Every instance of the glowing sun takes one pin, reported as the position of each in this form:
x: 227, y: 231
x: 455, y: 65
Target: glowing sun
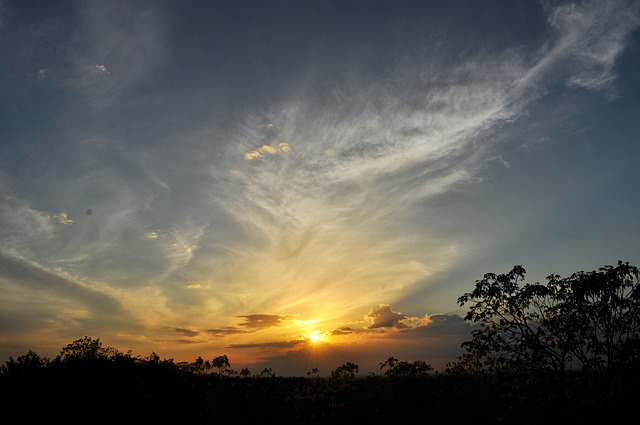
x: 316, y: 336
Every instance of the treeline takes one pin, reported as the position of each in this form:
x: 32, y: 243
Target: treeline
x: 88, y: 382
x: 567, y: 350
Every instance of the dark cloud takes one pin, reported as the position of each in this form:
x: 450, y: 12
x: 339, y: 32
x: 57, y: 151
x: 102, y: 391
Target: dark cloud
x: 263, y: 320
x: 229, y: 330
x: 187, y: 332
x: 341, y: 331
x: 188, y: 341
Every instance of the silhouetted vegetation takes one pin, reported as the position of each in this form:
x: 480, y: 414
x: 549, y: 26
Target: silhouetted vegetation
x: 565, y: 351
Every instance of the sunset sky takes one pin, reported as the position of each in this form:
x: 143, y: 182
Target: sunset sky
x: 300, y: 184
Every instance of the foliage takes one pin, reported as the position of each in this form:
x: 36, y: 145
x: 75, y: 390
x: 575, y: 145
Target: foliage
x: 87, y: 349
x: 155, y: 390
x: 346, y: 372
x: 590, y: 318
x: 223, y: 365
x: 29, y: 363
x: 404, y: 369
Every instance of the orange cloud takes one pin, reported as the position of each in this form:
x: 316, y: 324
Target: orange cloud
x: 267, y: 149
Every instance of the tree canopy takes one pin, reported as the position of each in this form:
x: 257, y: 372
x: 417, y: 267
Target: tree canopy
x: 588, y: 321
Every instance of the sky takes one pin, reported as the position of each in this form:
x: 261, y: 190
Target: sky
x: 301, y: 184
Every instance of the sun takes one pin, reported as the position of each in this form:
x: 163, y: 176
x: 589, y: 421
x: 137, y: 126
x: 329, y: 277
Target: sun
x: 316, y: 336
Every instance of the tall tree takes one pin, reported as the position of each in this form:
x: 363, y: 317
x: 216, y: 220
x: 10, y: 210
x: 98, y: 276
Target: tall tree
x: 589, y: 320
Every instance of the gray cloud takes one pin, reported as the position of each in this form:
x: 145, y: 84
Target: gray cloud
x: 228, y: 330
x: 187, y: 332
x: 342, y: 331
x: 594, y: 33
x: 383, y: 317
x: 65, y: 304
x: 263, y: 320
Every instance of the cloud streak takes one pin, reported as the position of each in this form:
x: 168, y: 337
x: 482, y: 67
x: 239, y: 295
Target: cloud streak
x: 364, y: 157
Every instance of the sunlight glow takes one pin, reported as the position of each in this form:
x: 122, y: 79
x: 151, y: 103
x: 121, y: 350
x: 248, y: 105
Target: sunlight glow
x: 316, y: 336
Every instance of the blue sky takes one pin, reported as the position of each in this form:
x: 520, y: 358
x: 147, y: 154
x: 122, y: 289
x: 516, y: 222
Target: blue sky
x: 207, y: 178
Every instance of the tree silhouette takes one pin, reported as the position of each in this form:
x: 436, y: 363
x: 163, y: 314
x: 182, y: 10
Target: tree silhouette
x: 396, y: 368
x: 346, y: 371
x: 267, y: 372
x: 85, y: 349
x: 26, y: 364
x: 222, y: 364
x: 592, y: 318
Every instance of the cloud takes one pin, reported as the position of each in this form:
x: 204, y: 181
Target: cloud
x: 152, y: 235
x: 187, y: 332
x: 592, y: 36
x: 178, y: 245
x: 62, y: 218
x: 229, y: 330
x: 252, y: 323
x: 21, y: 225
x: 588, y: 38
x: 342, y: 331
x: 259, y: 321
x: 112, y: 50
x: 383, y: 317
x: 282, y: 147
x: 435, y: 339
x: 100, y: 69
x: 339, y: 213
x: 68, y: 304
x: 44, y: 73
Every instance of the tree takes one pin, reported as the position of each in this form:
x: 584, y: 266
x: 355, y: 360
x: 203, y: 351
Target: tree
x: 592, y: 318
x: 23, y: 365
x: 267, y: 372
x: 222, y: 363
x: 397, y: 369
x: 199, y: 365
x: 602, y: 308
x: 346, y: 372
x: 88, y: 349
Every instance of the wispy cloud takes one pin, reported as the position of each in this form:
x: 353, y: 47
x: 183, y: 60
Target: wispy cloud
x: 593, y: 35
x: 334, y: 213
x: 228, y: 330
x: 589, y: 36
x: 114, y: 49
x: 67, y: 304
